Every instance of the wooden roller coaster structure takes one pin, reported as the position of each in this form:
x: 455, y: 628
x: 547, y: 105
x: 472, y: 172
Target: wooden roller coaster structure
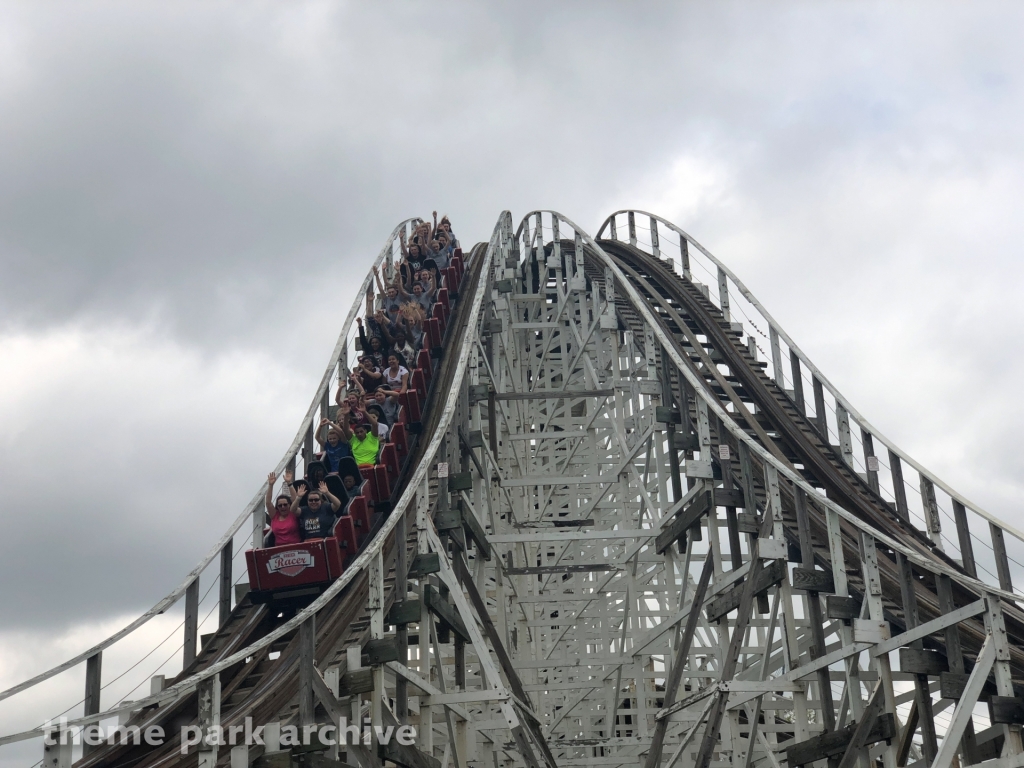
x: 638, y: 527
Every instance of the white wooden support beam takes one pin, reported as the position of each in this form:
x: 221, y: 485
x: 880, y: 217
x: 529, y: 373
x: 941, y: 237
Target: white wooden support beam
x: 931, y: 512
x: 845, y: 438
x: 996, y: 627
x: 773, y: 337
x: 965, y: 706
x: 208, y: 693
x: 631, y: 219
x: 655, y: 244
x: 307, y: 651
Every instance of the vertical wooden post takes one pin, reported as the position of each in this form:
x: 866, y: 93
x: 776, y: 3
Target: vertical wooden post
x: 208, y: 693
x: 93, y: 686
x: 307, y: 652
x: 684, y: 256
x: 870, y: 460
x: 798, y: 383
x: 614, y: 229
x: 259, y: 522
x: 803, y: 523
x: 225, y: 581
x: 723, y: 294
x: 954, y: 651
x: 931, y: 512
x: 1002, y: 562
x: 402, y: 632
x: 670, y: 429
x: 191, y: 623
x: 845, y: 438
x: 631, y: 219
x: 996, y: 626
x: 876, y: 612
x: 376, y: 607
x: 58, y: 754
x: 923, y: 695
x: 773, y: 337
x: 820, y: 418
x: 963, y: 532
x: 655, y: 245
x: 899, y: 488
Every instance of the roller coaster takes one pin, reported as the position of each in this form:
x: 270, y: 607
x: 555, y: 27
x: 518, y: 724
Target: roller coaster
x: 635, y: 526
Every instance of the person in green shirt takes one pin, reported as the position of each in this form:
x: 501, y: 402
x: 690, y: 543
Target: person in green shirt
x: 362, y: 438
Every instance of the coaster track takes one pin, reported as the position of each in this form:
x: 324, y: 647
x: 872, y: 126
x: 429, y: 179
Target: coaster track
x: 643, y: 548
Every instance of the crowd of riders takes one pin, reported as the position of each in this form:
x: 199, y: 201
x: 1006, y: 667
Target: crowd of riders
x: 368, y: 400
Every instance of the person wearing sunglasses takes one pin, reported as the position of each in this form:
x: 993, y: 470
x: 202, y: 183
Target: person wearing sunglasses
x: 284, y: 523
x: 317, y: 518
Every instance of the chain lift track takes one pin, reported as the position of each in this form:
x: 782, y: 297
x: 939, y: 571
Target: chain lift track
x: 627, y: 536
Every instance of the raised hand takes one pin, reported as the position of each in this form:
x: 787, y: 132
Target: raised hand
x: 271, y: 479
x: 323, y: 487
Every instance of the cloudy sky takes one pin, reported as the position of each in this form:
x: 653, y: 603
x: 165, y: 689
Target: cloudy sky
x: 189, y: 193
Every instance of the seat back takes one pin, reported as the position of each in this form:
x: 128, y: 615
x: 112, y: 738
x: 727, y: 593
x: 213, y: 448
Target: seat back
x: 400, y: 441
x: 359, y: 513
x: 423, y: 363
x: 345, y: 533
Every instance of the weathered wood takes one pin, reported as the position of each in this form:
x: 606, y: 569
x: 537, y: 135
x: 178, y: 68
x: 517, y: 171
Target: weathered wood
x: 380, y: 651
x: 835, y: 743
x: 859, y: 737
x: 812, y: 580
x: 798, y: 383
x: 675, y: 674
x: 191, y: 623
x: 307, y: 650
x: 820, y: 418
x: 93, y: 688
x: 447, y: 520
x: 461, y: 481
x: 952, y: 685
x: 225, y: 582
x: 476, y: 532
x: 963, y: 533
x: 1002, y: 562
x: 899, y: 488
x: 405, y: 612
x: 766, y: 577
x: 921, y: 662
x: 424, y: 564
x: 1006, y: 710
x: 444, y: 612
x: 567, y: 568
x: 683, y: 521
x: 748, y: 523
x: 731, y: 497
x: 839, y: 607
x: 355, y: 682
x: 922, y: 693
x: 867, y: 441
x: 406, y: 756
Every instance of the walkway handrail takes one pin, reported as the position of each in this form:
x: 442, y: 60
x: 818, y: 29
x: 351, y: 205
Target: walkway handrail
x: 499, y: 241
x: 175, y: 594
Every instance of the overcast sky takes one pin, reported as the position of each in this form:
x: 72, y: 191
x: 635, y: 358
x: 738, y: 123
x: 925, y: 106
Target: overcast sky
x: 188, y: 195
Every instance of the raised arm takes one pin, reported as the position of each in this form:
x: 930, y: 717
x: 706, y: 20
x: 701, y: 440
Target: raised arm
x: 378, y: 281
x: 271, y: 479
x: 346, y: 431
x: 324, y: 422
x: 335, y: 501
x: 363, y: 341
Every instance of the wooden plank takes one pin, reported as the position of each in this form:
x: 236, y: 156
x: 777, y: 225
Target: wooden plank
x: 952, y: 685
x: 1002, y: 563
x: 307, y: 648
x: 406, y: 756
x: 404, y: 612
x: 568, y: 568
x: 1006, y: 710
x: 424, y: 564
x: 899, y: 488
x: 476, y: 532
x: 225, y: 582
x: 444, y: 611
x: 922, y: 662
x: 733, y: 497
x: 820, y: 419
x: 833, y: 744
x: 859, y: 737
x: 355, y: 682
x: 767, y: 577
x: 93, y: 688
x: 798, y: 382
x: 748, y: 523
x: 963, y: 533
x: 191, y: 623
x: 839, y: 607
x: 812, y: 580
x: 381, y: 651
x: 683, y: 521
x: 867, y: 441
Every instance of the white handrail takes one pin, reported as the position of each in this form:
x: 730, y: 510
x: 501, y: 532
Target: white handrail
x: 499, y: 239
x: 815, y: 371
x: 175, y: 594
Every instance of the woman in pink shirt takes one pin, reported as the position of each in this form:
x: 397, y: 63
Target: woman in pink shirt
x: 284, y: 523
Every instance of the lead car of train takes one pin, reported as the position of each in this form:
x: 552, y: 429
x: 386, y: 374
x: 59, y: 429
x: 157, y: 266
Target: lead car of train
x: 296, y: 574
